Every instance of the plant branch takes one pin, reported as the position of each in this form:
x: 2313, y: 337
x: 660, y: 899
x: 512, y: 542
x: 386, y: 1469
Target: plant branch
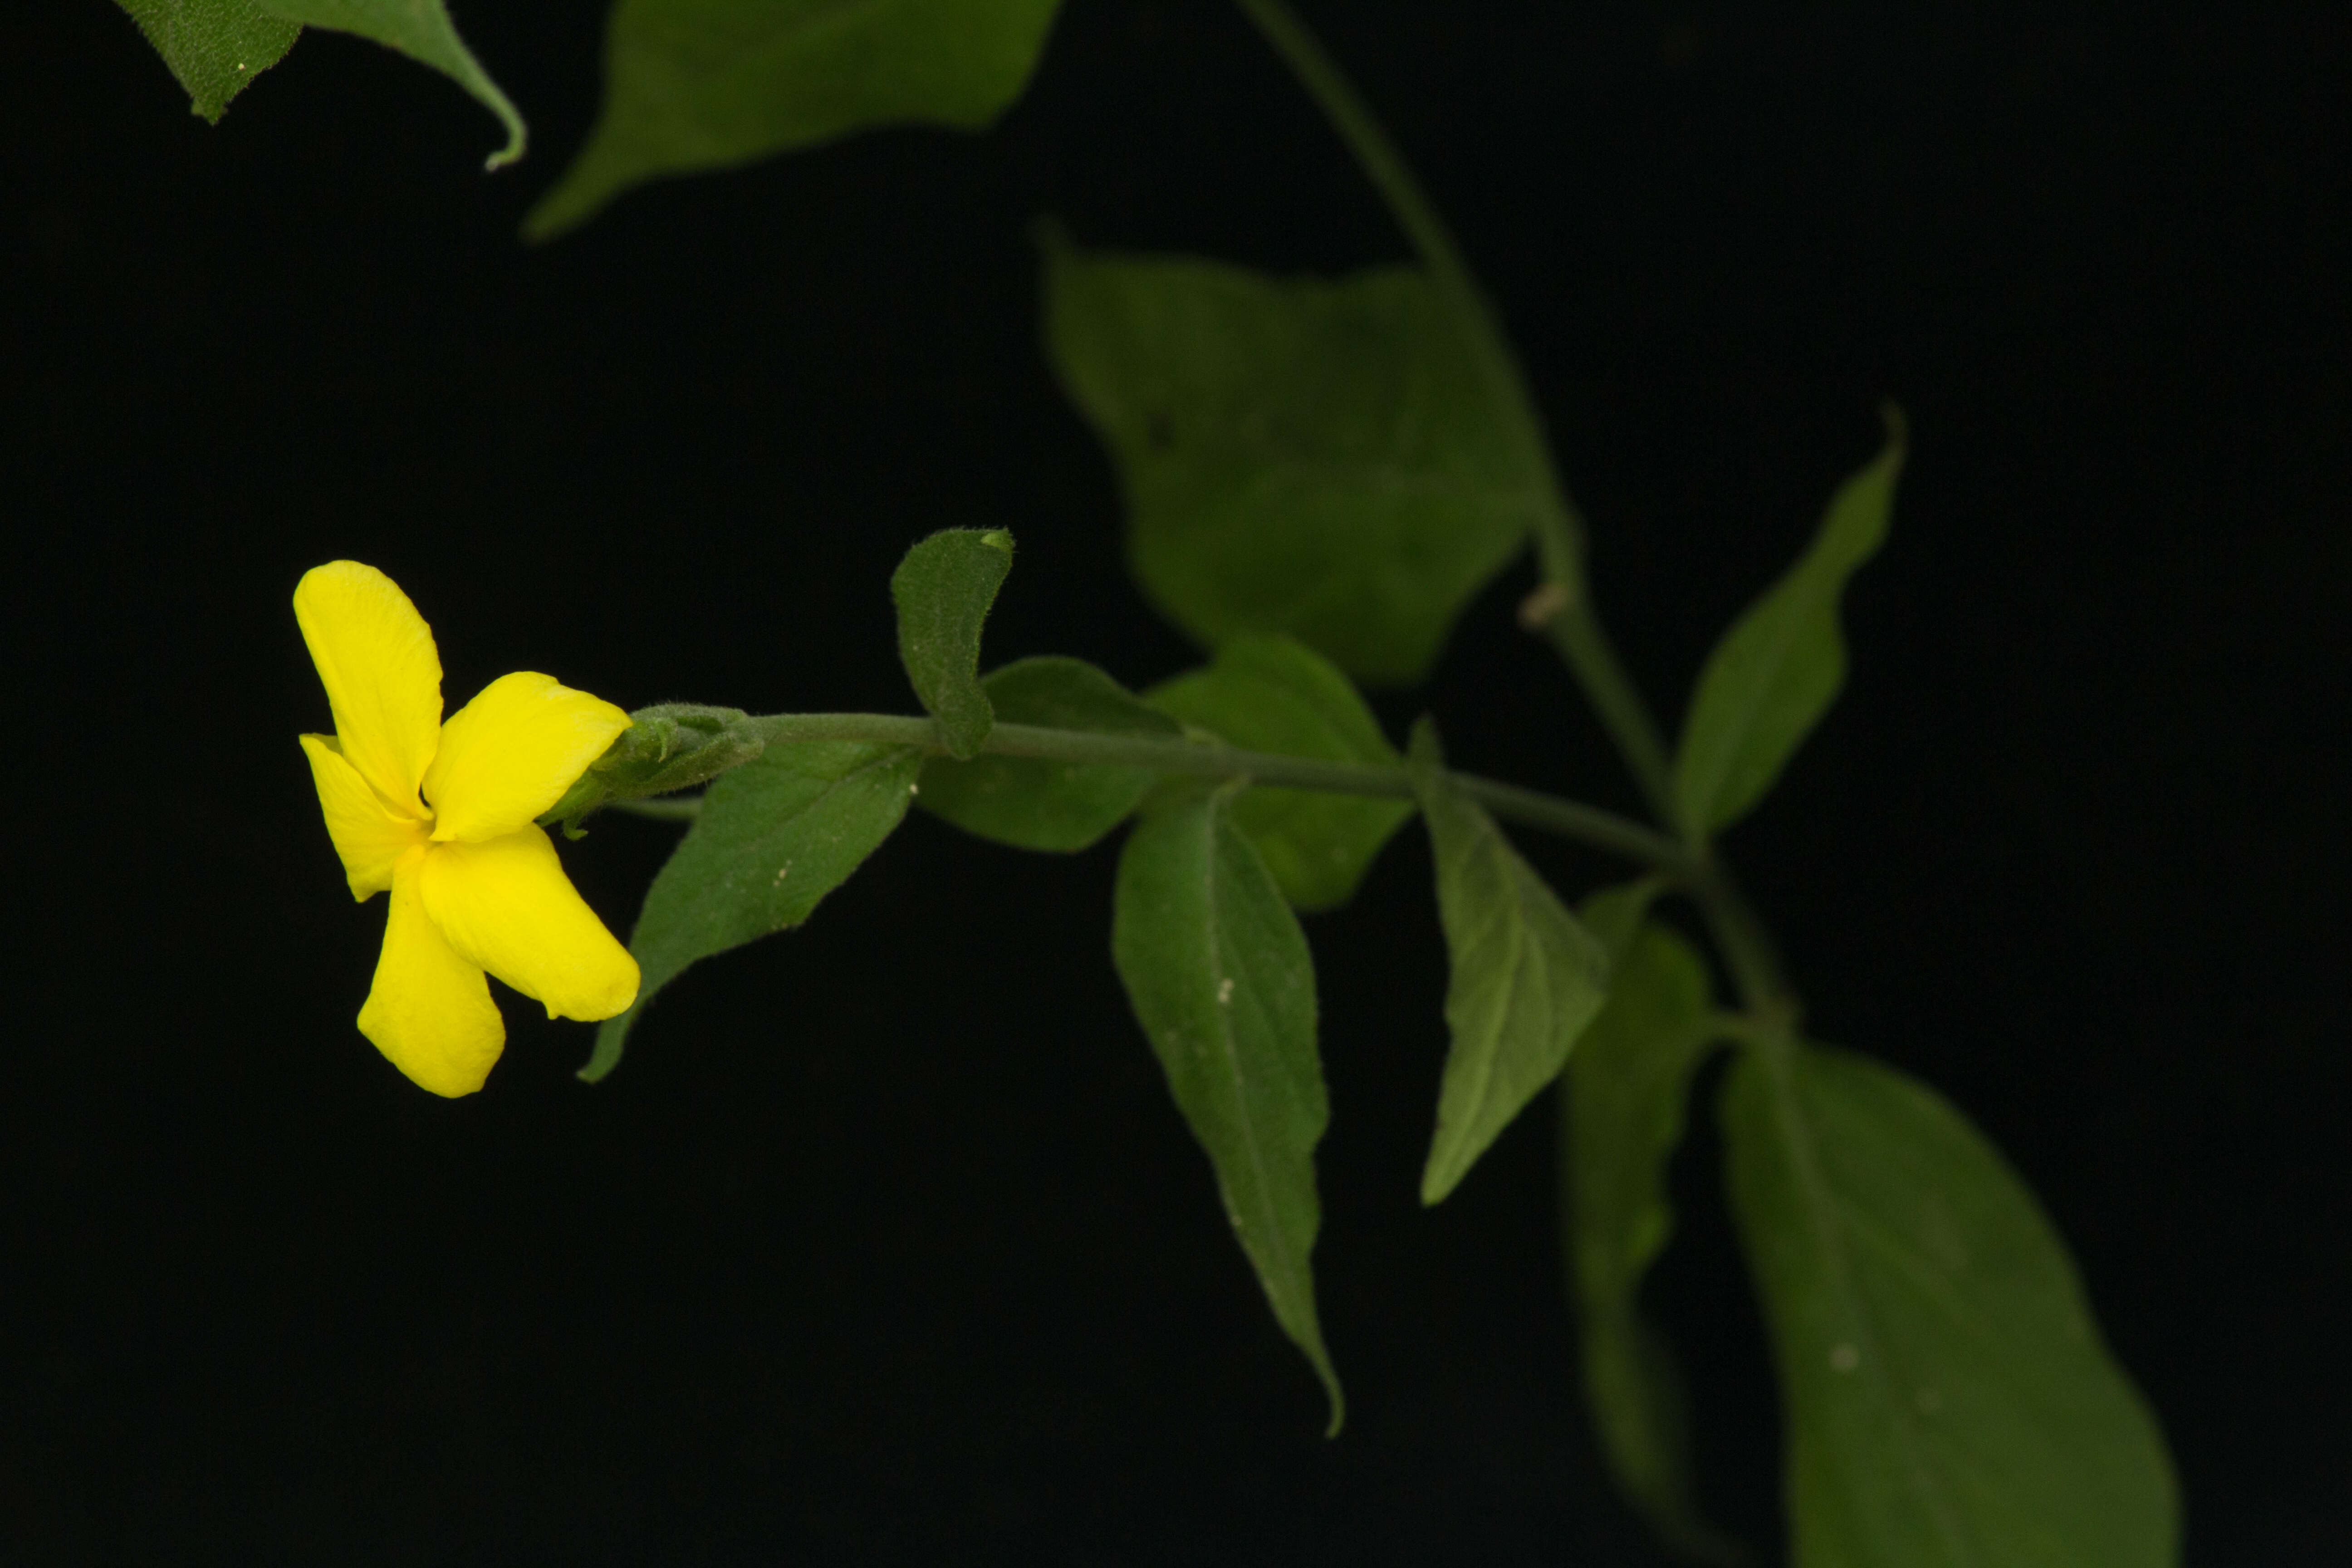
x: 1747, y: 944
x: 1549, y: 812
x: 1554, y: 525
x: 1563, y: 609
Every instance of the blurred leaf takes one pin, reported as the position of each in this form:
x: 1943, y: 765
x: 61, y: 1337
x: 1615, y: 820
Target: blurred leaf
x: 1031, y: 802
x: 692, y: 85
x: 944, y: 590
x: 1318, y: 458
x: 1219, y: 975
x: 1615, y: 916
x: 1623, y: 1119
x: 214, y: 47
x: 1526, y: 977
x: 420, y: 29
x: 775, y: 836
x: 1949, y: 1402
x: 1778, y: 668
x: 1273, y: 694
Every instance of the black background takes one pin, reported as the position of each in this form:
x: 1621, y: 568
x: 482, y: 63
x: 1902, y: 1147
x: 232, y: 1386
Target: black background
x: 884, y: 1239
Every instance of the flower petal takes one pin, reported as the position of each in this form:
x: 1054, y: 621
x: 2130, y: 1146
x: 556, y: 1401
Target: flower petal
x: 382, y: 672
x: 512, y: 751
x: 430, y: 1012
x: 369, y: 835
x: 507, y: 905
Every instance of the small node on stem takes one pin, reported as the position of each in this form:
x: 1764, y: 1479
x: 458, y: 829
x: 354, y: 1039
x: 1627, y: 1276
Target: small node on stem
x: 1543, y: 607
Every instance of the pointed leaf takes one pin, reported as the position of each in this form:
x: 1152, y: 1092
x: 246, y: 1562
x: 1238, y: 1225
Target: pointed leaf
x: 1316, y: 459
x: 1949, y: 1402
x: 1526, y: 976
x: 1033, y: 803
x: 422, y: 30
x: 944, y: 590
x: 1624, y: 1091
x: 1219, y: 975
x: 1276, y: 694
x: 1778, y: 668
x: 774, y: 837
x: 711, y: 84
x: 214, y: 47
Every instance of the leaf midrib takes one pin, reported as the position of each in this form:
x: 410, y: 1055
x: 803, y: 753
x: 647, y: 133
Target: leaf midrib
x: 1826, y: 1213
x: 710, y: 891
x: 1229, y: 1049
x: 1512, y: 913
x: 1801, y: 597
x: 759, y: 63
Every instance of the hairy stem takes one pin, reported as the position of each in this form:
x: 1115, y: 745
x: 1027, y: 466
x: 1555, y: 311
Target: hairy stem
x: 1564, y: 611
x: 1554, y: 525
x: 1549, y: 812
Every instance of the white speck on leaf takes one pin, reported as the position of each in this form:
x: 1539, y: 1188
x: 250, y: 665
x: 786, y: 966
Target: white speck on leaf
x: 1225, y: 991
x: 1845, y: 1358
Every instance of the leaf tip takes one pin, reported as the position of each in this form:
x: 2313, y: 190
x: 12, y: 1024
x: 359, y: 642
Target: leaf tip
x: 584, y: 189
x: 554, y: 214
x: 511, y: 152
x: 612, y: 1036
x: 1436, y: 1188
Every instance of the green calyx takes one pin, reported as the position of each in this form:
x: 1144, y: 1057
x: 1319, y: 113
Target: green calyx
x: 669, y: 746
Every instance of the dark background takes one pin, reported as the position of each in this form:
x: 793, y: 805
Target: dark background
x: 884, y: 1240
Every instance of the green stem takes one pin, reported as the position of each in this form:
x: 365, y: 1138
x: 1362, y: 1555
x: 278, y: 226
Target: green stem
x: 1549, y: 812
x: 1745, y: 942
x: 1563, y: 610
x: 1557, y: 529
x: 1560, y: 532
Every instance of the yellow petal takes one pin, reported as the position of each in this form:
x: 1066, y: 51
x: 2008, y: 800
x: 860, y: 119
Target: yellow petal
x: 382, y: 675
x: 430, y: 1012
x: 512, y: 751
x: 506, y: 904
x: 369, y: 835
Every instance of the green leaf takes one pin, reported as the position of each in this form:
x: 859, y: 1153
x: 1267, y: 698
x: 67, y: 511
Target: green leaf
x: 1949, y: 1402
x: 1778, y: 668
x: 1526, y: 976
x: 420, y: 29
x: 1219, y: 975
x: 1033, y: 803
x: 1318, y: 459
x: 711, y: 84
x: 1623, y: 1119
x: 944, y: 590
x: 214, y: 47
x: 1615, y: 916
x: 1275, y: 694
x: 775, y: 836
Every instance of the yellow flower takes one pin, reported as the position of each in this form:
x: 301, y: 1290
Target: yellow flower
x: 441, y: 816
